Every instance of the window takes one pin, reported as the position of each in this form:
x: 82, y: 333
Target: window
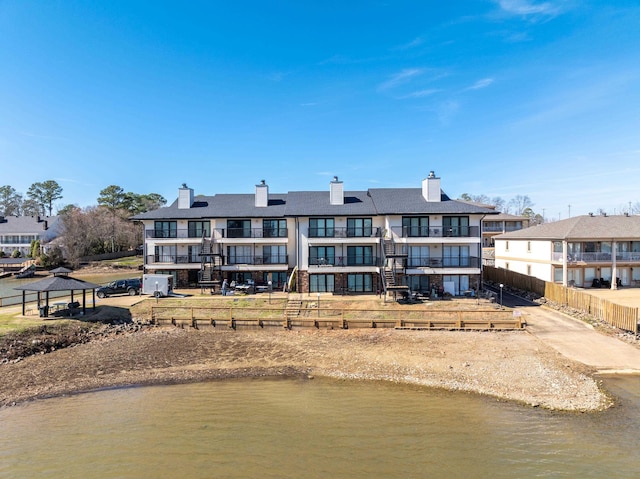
x: 506, y: 246
x: 321, y: 283
x: 239, y: 255
x: 360, y: 255
x: 322, y: 255
x: 359, y: 227
x: 274, y: 254
x: 239, y: 228
x: 360, y: 283
x: 165, y: 253
x: 165, y: 229
x: 198, y: 229
x: 274, y: 228
x: 419, y: 256
x: 528, y: 246
x: 321, y: 227
x: 557, y: 275
x: 455, y: 226
x: 456, y: 256
x: 418, y: 283
x: 194, y: 253
x: 460, y: 283
x: 278, y: 279
x: 528, y: 270
x: 415, y: 226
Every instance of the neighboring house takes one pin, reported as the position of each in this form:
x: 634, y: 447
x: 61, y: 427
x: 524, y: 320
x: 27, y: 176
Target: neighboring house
x: 17, y: 232
x: 328, y: 241
x: 575, y: 251
x: 500, y: 224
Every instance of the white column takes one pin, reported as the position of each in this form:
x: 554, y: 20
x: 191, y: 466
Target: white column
x: 614, y: 268
x: 565, y: 257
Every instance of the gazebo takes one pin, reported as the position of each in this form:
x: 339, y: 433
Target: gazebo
x: 60, y: 281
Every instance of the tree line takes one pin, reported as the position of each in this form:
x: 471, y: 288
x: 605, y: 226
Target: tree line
x: 101, y: 228
x: 519, y: 205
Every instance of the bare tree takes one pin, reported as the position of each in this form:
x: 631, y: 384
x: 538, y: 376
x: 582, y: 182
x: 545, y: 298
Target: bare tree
x: 519, y: 204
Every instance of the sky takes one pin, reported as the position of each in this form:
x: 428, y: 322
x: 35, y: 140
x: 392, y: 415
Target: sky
x: 498, y: 97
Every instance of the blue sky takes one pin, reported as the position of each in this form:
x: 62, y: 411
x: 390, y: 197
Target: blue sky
x: 502, y: 98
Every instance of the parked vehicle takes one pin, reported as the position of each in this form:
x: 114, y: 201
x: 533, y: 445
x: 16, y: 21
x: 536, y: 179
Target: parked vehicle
x: 158, y: 285
x: 120, y: 286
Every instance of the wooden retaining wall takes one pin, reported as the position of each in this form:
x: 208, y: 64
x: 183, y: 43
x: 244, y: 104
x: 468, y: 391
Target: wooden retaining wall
x: 225, y: 318
x: 617, y: 315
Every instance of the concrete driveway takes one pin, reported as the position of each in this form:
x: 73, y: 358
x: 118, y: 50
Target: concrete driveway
x: 577, y: 340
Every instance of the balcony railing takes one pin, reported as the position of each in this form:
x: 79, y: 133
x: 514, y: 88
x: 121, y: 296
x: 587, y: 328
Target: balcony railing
x: 436, y: 232
x: 229, y: 260
x: 443, y: 262
x: 175, y: 233
x: 598, y: 257
x: 357, y: 260
x: 492, y: 228
x: 251, y: 233
x: 250, y: 259
x: 342, y: 232
x: 173, y: 259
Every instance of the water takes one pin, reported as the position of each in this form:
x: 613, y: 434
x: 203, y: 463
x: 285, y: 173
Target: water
x: 313, y: 429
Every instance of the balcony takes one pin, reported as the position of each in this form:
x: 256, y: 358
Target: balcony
x: 443, y: 262
x: 492, y: 228
x: 436, y: 232
x: 357, y: 260
x: 344, y: 232
x: 172, y: 259
x: 250, y: 233
x: 257, y: 260
x: 599, y: 257
x: 175, y: 233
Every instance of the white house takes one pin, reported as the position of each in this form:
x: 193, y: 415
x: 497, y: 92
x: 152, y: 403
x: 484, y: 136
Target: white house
x: 589, y: 250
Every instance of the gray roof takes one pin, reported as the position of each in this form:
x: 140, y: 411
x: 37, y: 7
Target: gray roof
x: 26, y: 225
x: 410, y: 201
x: 316, y: 203
x: 581, y: 228
x: 200, y: 209
x: 377, y: 201
x: 58, y: 283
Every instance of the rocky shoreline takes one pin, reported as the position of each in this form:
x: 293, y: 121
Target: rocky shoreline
x: 512, y: 366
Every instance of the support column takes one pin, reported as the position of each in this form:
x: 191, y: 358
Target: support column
x: 565, y: 269
x: 614, y: 268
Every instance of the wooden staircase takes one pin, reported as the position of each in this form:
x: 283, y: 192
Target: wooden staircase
x: 292, y: 309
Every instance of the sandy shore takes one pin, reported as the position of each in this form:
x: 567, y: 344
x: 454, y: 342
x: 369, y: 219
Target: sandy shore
x: 511, y: 366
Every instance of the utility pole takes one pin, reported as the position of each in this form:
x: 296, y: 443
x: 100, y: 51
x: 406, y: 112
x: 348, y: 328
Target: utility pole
x: 569, y: 211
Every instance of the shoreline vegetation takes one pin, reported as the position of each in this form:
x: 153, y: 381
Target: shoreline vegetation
x: 117, y: 347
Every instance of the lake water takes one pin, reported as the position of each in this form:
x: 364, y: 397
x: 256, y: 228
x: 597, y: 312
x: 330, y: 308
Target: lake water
x: 314, y: 429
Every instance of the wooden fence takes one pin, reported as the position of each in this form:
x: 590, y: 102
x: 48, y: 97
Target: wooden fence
x: 622, y: 317
x: 229, y: 317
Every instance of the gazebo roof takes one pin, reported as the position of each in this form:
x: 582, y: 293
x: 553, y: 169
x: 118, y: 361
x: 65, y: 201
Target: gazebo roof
x: 58, y: 283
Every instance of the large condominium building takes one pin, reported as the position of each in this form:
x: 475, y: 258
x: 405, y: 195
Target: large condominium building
x: 337, y: 240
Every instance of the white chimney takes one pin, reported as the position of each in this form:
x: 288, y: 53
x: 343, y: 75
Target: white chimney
x: 336, y: 192
x: 431, y: 188
x: 185, y: 197
x: 262, y: 195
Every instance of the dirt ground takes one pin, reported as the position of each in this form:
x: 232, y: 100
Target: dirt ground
x: 507, y: 365
x: 514, y: 366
